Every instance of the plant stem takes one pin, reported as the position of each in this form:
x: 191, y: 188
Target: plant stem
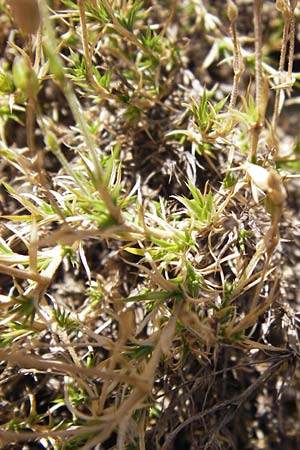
x: 292, y: 43
x: 258, y: 53
x: 238, y: 65
x: 287, y: 11
x: 259, y: 80
x: 285, y: 37
x: 58, y: 72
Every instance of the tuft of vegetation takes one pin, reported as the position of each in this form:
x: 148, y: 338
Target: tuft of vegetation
x: 149, y: 248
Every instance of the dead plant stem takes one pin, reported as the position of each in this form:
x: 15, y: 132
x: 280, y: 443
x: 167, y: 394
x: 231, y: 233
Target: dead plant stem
x: 291, y: 45
x: 238, y: 65
x: 259, y: 80
x: 285, y: 37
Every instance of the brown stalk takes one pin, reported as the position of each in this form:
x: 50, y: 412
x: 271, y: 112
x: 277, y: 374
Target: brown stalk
x: 258, y: 53
x: 260, y: 98
x: 23, y: 274
x: 287, y: 9
x: 238, y: 65
x: 282, y: 7
x: 23, y: 359
x: 293, y: 4
x: 141, y: 391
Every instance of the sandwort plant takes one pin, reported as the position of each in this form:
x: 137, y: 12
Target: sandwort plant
x: 144, y: 219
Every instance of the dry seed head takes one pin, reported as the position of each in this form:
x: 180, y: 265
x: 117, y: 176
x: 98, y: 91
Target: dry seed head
x: 26, y: 15
x: 259, y: 175
x: 232, y: 11
x: 268, y: 181
x: 276, y: 192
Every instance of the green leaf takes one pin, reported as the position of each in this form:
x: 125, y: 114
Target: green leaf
x: 154, y: 296
x: 194, y: 281
x: 7, y: 85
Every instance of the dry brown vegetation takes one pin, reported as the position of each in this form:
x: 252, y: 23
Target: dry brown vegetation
x: 149, y: 249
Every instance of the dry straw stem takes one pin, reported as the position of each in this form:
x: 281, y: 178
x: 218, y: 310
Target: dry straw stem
x: 293, y: 4
x: 24, y: 274
x: 142, y: 384
x: 125, y: 326
x: 23, y: 359
x: 261, y: 82
x: 287, y: 9
x: 238, y: 64
x: 139, y: 393
x: 255, y: 310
